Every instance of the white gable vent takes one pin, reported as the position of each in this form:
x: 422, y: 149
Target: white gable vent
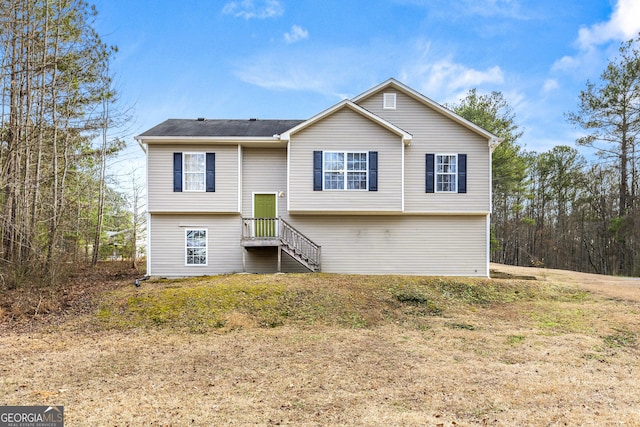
x: 389, y: 101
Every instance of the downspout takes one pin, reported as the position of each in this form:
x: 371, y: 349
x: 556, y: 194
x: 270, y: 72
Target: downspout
x: 146, y: 161
x: 141, y: 145
x: 404, y: 147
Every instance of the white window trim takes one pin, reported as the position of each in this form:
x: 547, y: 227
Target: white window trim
x: 345, y: 171
x: 436, y: 173
x: 389, y: 101
x: 206, y: 247
x: 184, y: 171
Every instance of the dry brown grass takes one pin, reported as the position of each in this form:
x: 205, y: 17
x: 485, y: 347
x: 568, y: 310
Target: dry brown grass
x: 532, y: 362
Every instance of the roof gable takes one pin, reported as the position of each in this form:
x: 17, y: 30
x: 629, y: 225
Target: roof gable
x: 493, y: 140
x: 406, y: 136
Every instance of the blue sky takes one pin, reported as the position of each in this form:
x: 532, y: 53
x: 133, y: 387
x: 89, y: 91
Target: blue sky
x: 292, y: 59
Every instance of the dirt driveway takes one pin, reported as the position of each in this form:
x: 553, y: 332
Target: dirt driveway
x: 624, y: 288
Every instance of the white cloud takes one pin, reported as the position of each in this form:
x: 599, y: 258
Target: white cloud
x: 550, y: 85
x: 594, y: 43
x: 299, y: 73
x: 623, y: 24
x: 297, y: 33
x: 435, y: 73
x: 490, y: 8
x: 330, y: 71
x: 445, y: 79
x: 248, y: 9
x: 337, y: 71
x: 585, y: 63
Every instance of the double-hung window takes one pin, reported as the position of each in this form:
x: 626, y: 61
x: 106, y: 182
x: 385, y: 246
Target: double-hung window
x: 345, y: 170
x: 446, y: 173
x: 196, y: 247
x: 193, y: 172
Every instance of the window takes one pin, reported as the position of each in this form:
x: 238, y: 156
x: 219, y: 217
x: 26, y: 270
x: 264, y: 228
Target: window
x: 446, y: 173
x: 196, y: 247
x: 389, y: 101
x: 345, y: 171
x: 193, y: 171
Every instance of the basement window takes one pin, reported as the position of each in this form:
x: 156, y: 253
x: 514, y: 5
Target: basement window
x: 196, y: 246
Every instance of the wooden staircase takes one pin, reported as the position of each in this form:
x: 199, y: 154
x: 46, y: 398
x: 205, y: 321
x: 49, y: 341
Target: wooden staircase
x: 265, y: 232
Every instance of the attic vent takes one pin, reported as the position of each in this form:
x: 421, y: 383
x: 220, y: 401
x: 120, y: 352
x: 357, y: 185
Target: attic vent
x: 253, y: 119
x: 201, y: 119
x: 389, y: 101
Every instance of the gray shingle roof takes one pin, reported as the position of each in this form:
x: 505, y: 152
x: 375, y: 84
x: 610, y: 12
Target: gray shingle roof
x: 221, y: 128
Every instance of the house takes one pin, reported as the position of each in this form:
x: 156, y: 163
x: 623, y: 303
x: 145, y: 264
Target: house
x: 387, y: 182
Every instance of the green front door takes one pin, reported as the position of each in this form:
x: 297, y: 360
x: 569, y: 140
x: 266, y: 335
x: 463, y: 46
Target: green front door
x: 264, y: 210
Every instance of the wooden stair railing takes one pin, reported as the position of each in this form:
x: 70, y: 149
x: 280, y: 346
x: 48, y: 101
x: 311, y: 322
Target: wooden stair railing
x: 278, y: 232
x: 299, y: 246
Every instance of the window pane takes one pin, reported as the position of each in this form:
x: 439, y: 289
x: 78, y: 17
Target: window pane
x: 194, y: 162
x: 446, y: 182
x: 446, y: 164
x: 333, y: 161
x: 356, y: 181
x: 196, y: 247
x: 196, y: 238
x: 357, y: 161
x: 194, y: 181
x: 333, y: 180
x: 196, y: 256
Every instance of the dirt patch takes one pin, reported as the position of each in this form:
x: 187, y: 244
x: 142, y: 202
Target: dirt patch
x: 34, y: 305
x: 623, y: 288
x: 319, y: 376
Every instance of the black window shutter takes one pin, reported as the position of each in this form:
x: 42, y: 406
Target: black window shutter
x: 430, y: 175
x: 211, y: 172
x: 462, y: 173
x: 373, y: 171
x: 317, y: 171
x: 177, y: 172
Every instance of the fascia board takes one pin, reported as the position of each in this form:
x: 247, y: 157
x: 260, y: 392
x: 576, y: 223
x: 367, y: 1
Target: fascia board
x: 207, y: 139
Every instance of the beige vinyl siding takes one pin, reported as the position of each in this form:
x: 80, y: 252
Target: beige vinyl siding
x: 435, y: 133
x: 402, y: 244
x: 162, y: 198
x: 167, y: 244
x: 345, y: 130
x: 264, y: 170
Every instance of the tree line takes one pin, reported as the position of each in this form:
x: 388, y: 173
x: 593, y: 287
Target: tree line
x: 57, y: 99
x: 559, y: 209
